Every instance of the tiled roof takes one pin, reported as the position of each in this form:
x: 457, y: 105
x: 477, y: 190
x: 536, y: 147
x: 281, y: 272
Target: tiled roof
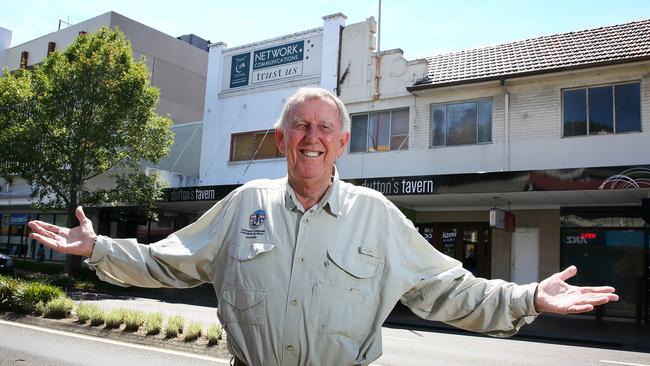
x: 593, y: 47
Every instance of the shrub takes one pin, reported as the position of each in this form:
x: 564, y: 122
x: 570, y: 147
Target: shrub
x: 115, y: 318
x: 39, y: 309
x: 85, y: 311
x: 153, y: 323
x: 192, y: 332
x: 97, y: 317
x: 8, y: 289
x: 214, y: 334
x: 133, y: 319
x: 63, y: 280
x: 174, y: 326
x: 58, y: 308
x: 31, y: 293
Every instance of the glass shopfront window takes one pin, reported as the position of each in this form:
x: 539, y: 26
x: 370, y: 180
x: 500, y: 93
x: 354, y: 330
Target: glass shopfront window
x: 609, y: 256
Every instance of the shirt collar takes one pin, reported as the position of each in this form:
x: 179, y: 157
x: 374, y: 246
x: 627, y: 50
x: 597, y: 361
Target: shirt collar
x: 329, y: 201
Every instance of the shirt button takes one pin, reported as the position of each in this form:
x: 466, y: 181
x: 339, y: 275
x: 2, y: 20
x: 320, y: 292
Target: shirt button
x: 294, y: 302
x: 290, y: 347
x: 327, y: 263
x: 307, y: 221
x: 301, y: 259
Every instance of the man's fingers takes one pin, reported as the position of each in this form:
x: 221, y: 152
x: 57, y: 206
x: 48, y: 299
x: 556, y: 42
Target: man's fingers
x: 81, y: 216
x: 579, y: 308
x: 42, y: 226
x: 568, y: 273
x: 48, y: 242
x: 597, y: 290
x: 43, y: 231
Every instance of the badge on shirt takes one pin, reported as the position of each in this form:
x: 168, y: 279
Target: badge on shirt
x: 257, y: 219
x: 255, y: 228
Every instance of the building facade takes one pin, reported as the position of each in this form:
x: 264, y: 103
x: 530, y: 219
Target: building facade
x: 553, y: 131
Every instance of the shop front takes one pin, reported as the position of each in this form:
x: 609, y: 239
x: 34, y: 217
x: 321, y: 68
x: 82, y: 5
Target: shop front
x: 610, y: 245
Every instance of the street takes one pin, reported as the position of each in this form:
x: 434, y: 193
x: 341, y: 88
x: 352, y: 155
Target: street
x: 27, y: 345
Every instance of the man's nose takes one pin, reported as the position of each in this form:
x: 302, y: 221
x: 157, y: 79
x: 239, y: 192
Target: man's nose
x: 311, y: 134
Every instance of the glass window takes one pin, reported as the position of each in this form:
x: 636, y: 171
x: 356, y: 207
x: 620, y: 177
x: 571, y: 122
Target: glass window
x: 601, y: 116
x: 575, y: 112
x: 449, y: 242
x: 359, y: 133
x: 601, y: 110
x: 608, y: 257
x: 627, y: 104
x: 438, y: 128
x: 381, y: 131
x: 461, y: 123
x: 254, y: 146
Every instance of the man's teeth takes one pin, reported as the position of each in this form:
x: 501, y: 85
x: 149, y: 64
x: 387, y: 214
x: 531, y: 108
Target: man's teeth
x: 311, y: 154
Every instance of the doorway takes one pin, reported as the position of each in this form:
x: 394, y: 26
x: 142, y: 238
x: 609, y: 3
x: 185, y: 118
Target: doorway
x: 524, y: 256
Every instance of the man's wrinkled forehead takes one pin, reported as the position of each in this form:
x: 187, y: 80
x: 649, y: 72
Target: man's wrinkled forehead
x: 312, y: 110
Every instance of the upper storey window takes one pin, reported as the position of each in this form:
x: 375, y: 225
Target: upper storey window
x: 462, y: 123
x: 602, y: 109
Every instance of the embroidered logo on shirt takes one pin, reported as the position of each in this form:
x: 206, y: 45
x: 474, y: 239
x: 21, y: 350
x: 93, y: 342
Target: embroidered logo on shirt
x: 257, y: 219
x: 255, y: 223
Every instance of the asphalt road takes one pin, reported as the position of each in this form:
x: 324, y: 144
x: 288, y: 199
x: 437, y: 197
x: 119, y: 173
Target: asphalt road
x: 26, y: 345
x: 22, y: 344
x: 418, y: 348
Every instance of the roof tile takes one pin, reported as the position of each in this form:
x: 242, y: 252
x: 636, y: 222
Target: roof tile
x: 612, y: 44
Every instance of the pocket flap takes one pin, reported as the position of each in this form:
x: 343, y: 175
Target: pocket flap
x: 243, y: 298
x: 246, y: 251
x: 357, y: 264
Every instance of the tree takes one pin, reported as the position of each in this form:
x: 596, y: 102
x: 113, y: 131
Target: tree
x: 82, y: 113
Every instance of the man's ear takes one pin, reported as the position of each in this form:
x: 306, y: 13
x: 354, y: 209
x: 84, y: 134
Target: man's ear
x: 344, y: 142
x: 279, y: 139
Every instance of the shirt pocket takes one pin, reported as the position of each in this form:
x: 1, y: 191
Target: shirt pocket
x: 243, y: 298
x: 351, y: 293
x: 245, y: 306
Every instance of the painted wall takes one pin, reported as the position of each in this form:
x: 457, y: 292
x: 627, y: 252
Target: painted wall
x: 5, y: 43
x: 177, y: 68
x: 534, y: 137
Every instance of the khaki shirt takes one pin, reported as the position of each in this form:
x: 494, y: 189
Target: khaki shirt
x: 313, y: 287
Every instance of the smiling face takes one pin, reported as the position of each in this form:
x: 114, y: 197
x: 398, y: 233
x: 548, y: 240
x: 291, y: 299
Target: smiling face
x: 312, y: 140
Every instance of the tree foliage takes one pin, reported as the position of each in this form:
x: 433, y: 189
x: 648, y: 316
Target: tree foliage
x: 82, y: 113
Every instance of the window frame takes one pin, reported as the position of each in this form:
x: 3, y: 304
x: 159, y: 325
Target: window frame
x: 613, y: 106
x: 390, y: 130
x: 270, y: 134
x: 445, y: 104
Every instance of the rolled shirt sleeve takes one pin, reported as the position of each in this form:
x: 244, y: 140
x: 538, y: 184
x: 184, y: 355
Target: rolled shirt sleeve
x: 184, y: 259
x: 442, y: 290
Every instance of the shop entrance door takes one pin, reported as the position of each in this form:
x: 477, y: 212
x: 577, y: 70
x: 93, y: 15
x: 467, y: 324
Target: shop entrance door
x: 525, y: 255
x: 468, y: 242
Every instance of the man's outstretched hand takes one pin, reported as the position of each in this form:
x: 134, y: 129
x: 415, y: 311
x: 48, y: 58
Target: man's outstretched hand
x: 79, y: 240
x: 554, y: 295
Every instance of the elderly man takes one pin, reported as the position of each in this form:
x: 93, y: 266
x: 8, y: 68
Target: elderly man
x: 307, y: 268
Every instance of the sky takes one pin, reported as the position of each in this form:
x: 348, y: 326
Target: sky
x: 419, y: 27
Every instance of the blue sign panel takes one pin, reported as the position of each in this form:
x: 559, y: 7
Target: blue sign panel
x: 18, y: 219
x: 278, y: 55
x: 239, y: 70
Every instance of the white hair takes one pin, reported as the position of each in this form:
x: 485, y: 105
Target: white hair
x: 305, y: 94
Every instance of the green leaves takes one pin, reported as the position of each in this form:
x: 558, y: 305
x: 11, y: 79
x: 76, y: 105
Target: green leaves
x: 80, y: 114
